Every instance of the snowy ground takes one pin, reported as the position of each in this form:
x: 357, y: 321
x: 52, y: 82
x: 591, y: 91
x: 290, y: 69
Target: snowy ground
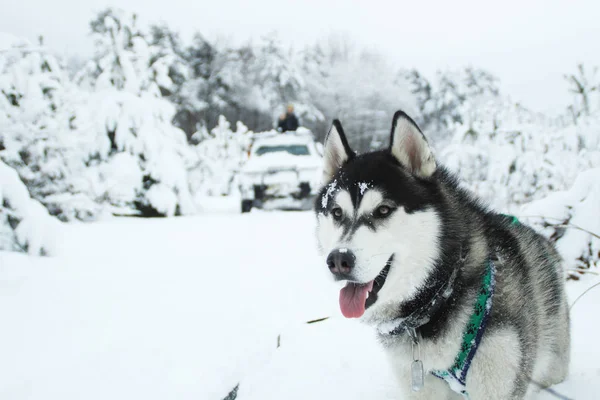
x: 185, y: 308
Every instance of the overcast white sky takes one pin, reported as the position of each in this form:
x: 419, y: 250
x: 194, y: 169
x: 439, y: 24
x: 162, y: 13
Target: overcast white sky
x: 528, y: 44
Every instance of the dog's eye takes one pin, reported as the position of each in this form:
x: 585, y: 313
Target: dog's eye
x: 337, y: 213
x: 383, y: 211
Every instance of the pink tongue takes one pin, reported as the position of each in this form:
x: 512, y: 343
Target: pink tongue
x: 353, y: 297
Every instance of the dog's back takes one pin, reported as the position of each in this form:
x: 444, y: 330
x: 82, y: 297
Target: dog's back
x: 531, y: 297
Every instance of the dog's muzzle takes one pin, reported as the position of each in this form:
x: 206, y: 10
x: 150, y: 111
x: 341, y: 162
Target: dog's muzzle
x: 355, y: 297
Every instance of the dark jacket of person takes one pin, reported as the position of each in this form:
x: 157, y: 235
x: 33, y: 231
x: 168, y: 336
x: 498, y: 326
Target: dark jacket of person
x: 289, y: 123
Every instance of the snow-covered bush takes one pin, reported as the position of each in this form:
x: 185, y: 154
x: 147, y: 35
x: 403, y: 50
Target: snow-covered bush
x: 220, y: 155
x: 510, y: 156
x: 25, y: 224
x: 38, y: 137
x: 571, y: 219
x: 453, y: 97
x: 126, y: 116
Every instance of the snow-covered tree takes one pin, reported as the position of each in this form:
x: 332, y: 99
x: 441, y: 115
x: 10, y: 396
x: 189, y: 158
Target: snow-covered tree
x: 569, y: 218
x: 357, y: 86
x: 130, y: 123
x: 204, y: 95
x: 585, y: 87
x: 39, y: 139
x: 25, y: 224
x: 462, y: 97
x: 220, y: 155
x: 168, y: 53
x: 421, y: 88
x: 252, y: 82
x: 510, y: 155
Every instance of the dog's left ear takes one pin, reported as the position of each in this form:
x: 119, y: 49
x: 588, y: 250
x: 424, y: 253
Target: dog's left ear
x: 337, y: 151
x: 409, y: 146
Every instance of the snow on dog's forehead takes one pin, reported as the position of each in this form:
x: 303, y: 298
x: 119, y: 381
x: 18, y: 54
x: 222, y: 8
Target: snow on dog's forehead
x: 329, y: 192
x: 368, y: 200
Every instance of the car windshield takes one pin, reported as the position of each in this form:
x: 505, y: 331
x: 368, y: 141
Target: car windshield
x: 294, y: 149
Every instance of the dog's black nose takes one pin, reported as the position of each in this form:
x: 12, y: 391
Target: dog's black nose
x: 341, y: 262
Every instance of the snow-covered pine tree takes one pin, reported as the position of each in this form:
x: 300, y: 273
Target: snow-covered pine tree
x: 39, y: 139
x: 205, y: 95
x: 168, y: 54
x: 220, y: 155
x: 140, y: 158
x: 423, y: 92
x: 25, y: 224
x: 447, y: 100
x: 584, y: 85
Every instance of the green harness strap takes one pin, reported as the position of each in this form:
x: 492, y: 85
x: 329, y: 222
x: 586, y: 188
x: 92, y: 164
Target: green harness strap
x: 513, y: 220
x: 456, y: 375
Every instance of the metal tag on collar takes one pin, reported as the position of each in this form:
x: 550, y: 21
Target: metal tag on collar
x: 416, y: 369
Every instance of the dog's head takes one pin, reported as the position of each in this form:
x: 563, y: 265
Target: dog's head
x: 377, y: 226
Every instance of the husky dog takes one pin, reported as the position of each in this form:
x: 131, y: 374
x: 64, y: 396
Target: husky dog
x: 467, y: 303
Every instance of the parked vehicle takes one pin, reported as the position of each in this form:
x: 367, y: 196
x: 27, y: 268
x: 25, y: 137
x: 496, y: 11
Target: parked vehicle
x: 283, y: 171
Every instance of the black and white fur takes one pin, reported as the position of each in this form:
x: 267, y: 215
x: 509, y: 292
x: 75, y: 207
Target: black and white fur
x: 399, y: 207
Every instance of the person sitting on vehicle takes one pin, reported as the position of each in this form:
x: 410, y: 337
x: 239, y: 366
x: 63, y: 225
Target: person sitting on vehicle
x: 288, y: 121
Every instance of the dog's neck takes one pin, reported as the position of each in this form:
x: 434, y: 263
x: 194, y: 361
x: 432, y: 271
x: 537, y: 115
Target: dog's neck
x: 422, y: 311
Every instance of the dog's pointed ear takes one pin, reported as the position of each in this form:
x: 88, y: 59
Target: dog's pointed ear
x: 336, y: 151
x: 409, y: 146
